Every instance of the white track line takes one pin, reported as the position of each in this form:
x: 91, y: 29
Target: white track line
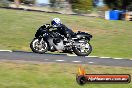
x: 71, y: 55
x: 60, y: 60
x: 118, y: 58
x: 91, y: 62
x: 45, y: 59
x: 104, y: 57
x: 5, y: 50
x: 77, y: 61
x: 91, y: 56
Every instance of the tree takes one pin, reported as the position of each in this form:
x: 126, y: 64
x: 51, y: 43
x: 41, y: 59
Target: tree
x: 53, y: 3
x: 81, y: 5
x: 27, y: 1
x: 127, y: 4
x: 118, y: 4
x: 4, y: 3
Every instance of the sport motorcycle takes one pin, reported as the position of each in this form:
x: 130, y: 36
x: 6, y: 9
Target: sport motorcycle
x: 49, y: 39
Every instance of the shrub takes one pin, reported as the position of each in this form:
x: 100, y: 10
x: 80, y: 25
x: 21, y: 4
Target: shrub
x: 4, y: 3
x: 27, y: 1
x: 81, y: 6
x: 53, y: 3
x: 118, y: 4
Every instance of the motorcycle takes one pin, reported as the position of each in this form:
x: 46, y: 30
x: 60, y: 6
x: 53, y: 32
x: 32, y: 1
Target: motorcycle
x: 48, y: 39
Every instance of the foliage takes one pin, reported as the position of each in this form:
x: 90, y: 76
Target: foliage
x: 28, y: 1
x: 118, y: 4
x: 57, y: 3
x: 4, y: 3
x: 53, y: 3
x: 25, y: 1
x: 11, y: 0
x: 129, y: 7
x: 81, y: 5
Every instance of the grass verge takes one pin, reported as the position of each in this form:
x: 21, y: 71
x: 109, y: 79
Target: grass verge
x: 52, y: 75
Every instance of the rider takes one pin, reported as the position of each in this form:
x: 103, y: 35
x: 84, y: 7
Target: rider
x: 62, y: 29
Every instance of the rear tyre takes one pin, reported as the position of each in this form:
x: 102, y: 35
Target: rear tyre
x: 86, y: 51
x: 39, y: 46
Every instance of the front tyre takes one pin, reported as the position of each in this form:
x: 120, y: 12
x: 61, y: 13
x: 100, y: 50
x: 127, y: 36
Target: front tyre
x: 39, y: 46
x: 83, y: 49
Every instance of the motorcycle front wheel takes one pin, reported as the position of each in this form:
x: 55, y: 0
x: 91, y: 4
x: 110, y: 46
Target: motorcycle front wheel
x: 83, y: 49
x: 39, y: 46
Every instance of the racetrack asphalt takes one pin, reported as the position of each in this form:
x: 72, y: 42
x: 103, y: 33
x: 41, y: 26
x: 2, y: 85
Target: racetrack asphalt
x: 63, y: 58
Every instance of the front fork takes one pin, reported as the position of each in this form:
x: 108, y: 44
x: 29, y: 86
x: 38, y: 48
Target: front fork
x: 40, y: 40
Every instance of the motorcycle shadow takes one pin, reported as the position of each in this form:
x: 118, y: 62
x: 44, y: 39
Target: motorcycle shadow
x: 47, y: 53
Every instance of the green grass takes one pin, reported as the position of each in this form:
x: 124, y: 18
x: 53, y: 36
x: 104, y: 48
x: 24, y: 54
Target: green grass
x: 111, y: 38
x: 52, y: 75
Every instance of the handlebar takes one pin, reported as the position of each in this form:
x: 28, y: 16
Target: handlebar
x: 48, y: 26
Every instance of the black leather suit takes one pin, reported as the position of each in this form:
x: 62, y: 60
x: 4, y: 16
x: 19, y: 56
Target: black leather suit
x: 63, y: 30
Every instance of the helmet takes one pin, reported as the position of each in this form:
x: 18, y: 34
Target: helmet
x: 56, y: 22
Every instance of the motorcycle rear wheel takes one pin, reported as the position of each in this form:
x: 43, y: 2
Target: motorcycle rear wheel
x: 78, y: 52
